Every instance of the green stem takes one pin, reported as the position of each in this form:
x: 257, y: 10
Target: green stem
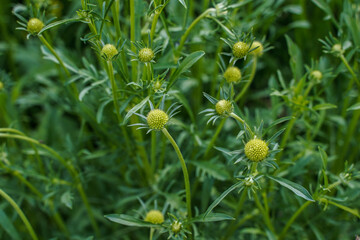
x: 114, y: 89
x: 247, y: 85
x: 188, y: 30
x: 151, y: 233
x: 21, y: 214
x: 265, y: 215
x: 239, y: 119
x: 213, y: 139
x: 154, y: 145
x: 43, y: 40
x: 343, y: 59
x: 132, y: 38
x: 292, y: 219
x: 286, y: 135
x: 185, y: 172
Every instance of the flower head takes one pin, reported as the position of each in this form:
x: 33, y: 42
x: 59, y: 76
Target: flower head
x: 176, y: 227
x: 35, y: 25
x: 223, y: 107
x: 240, y: 49
x: 146, y: 55
x: 157, y: 118
x: 258, y: 49
x: 155, y: 217
x: 232, y: 75
x: 256, y: 150
x: 316, y: 74
x: 109, y: 52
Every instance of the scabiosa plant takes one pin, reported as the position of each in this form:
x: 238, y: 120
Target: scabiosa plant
x: 34, y: 26
x: 154, y: 216
x: 109, y: 52
x: 144, y: 54
x: 232, y: 75
x: 240, y: 44
x: 157, y: 119
x: 257, y: 49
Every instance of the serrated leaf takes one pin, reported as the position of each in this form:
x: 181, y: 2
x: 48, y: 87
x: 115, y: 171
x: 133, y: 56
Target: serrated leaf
x: 135, y: 109
x: 294, y: 187
x: 212, y: 217
x: 324, y: 106
x: 184, y: 66
x: 130, y: 221
x: 354, y: 107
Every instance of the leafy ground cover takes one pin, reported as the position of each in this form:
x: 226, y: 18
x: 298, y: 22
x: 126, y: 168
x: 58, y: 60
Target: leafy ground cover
x: 178, y: 119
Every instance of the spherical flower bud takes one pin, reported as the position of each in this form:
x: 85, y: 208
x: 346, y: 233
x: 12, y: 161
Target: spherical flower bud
x: 316, y: 74
x: 223, y: 107
x: 157, y: 119
x: 176, y: 227
x: 155, y: 217
x: 157, y: 86
x: 108, y: 52
x: 240, y: 49
x: 35, y: 25
x: 256, y: 150
x: 259, y: 48
x: 337, y: 49
x: 146, y: 55
x: 232, y: 75
x: 249, y: 181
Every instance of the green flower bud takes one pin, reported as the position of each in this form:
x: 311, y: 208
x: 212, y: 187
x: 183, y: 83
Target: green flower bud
x: 223, y: 107
x: 259, y: 48
x: 146, y: 55
x: 316, y: 74
x: 240, y: 49
x: 176, y: 227
x: 256, y: 150
x: 232, y: 75
x: 108, y: 52
x: 155, y: 217
x: 35, y: 25
x: 157, y: 119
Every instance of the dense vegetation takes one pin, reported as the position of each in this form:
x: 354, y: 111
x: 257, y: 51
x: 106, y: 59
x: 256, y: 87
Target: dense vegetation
x: 179, y: 119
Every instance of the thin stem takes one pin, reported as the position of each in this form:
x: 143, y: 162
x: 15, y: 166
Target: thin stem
x: 154, y: 145
x: 151, y: 233
x: 292, y: 219
x: 247, y: 85
x: 286, y: 135
x: 343, y: 59
x: 265, y: 215
x: 47, y: 44
x: 114, y: 89
x: 239, y: 119
x: 184, y: 169
x: 213, y: 139
x: 188, y: 30
x: 132, y: 38
x: 21, y: 214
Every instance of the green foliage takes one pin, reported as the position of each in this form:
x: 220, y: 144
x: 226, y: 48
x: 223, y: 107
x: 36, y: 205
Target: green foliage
x: 73, y: 164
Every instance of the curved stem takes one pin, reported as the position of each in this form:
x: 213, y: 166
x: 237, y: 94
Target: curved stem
x: 247, y: 85
x: 184, y: 169
x: 21, y: 214
x: 188, y: 30
x: 114, y: 89
x: 132, y: 38
x: 292, y: 219
x: 239, y: 119
x: 67, y: 165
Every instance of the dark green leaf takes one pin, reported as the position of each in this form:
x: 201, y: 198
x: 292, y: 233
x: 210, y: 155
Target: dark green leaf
x: 130, y: 221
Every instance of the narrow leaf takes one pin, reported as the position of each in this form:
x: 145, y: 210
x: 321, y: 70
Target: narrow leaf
x: 324, y: 106
x: 212, y: 217
x: 294, y: 187
x: 135, y: 109
x: 185, y: 65
x: 221, y: 197
x: 356, y: 106
x: 58, y: 23
x: 129, y: 221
